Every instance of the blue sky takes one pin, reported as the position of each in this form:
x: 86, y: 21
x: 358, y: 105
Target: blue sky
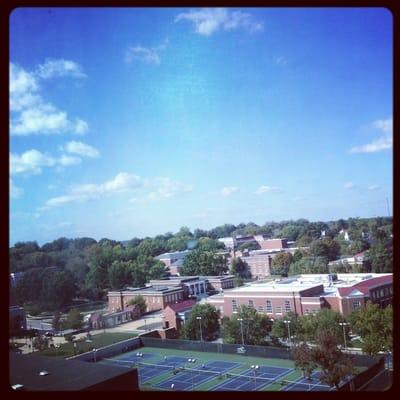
x: 135, y: 122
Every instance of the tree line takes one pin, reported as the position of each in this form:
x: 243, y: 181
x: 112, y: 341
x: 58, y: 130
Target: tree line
x: 88, y: 268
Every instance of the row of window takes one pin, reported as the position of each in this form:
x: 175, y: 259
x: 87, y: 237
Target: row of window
x: 388, y: 291
x: 268, y: 306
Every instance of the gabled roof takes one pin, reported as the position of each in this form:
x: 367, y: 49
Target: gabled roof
x: 365, y: 286
x: 184, y: 305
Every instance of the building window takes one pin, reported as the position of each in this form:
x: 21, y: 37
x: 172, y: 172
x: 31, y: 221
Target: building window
x: 269, y: 306
x: 234, y: 305
x: 356, y: 305
x: 278, y: 310
x: 382, y: 293
x: 288, y: 306
x: 260, y: 309
x: 251, y: 303
x: 391, y: 290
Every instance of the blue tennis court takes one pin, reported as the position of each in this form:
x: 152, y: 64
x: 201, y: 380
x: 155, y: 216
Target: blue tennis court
x: 251, y: 381
x: 189, y: 379
x: 147, y: 372
x: 308, y: 385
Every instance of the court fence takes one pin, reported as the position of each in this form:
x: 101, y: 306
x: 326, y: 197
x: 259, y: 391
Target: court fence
x: 360, y: 360
x: 109, y: 351
x: 357, y: 382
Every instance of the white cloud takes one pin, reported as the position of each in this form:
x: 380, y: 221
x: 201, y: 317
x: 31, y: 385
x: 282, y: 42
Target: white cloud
x: 373, y: 187
x: 31, y: 114
x: 15, y: 192
x: 166, y: 188
x: 59, y: 68
x: 150, y: 55
x: 210, y: 20
x: 30, y: 162
x: 66, y: 160
x: 228, y: 190
x: 267, y: 189
x: 81, y: 149
x: 384, y: 142
x: 349, y: 185
x: 123, y: 182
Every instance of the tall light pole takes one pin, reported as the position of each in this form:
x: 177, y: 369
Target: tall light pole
x: 241, y: 329
x: 343, y: 325
x: 287, y: 322
x: 255, y: 369
x: 201, y: 330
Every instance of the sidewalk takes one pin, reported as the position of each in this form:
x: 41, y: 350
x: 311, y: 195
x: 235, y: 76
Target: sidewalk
x: 132, y: 326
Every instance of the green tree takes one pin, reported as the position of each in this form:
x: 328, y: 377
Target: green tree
x: 380, y: 257
x: 375, y: 327
x: 57, y: 321
x: 157, y: 271
x: 140, y: 302
x: 304, y: 360
x: 326, y: 320
x: 327, y: 247
x: 209, y: 323
x: 249, y: 246
x: 281, y: 263
x: 208, y: 244
x: 255, y: 327
x: 200, y: 262
x: 40, y: 343
x: 335, y: 366
x: 280, y: 329
x: 119, y: 274
x: 74, y: 319
x: 240, y: 268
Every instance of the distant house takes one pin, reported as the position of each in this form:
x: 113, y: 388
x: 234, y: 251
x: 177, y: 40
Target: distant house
x: 356, y: 260
x: 345, y: 234
x: 108, y: 320
x: 170, y: 258
x: 175, y: 315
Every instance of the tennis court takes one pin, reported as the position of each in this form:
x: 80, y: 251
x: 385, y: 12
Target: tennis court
x: 195, y: 376
x: 180, y: 370
x: 304, y: 384
x: 253, y: 379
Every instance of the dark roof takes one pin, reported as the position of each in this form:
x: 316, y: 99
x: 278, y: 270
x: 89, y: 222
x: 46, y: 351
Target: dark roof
x: 183, y: 305
x: 62, y: 374
x: 365, y: 286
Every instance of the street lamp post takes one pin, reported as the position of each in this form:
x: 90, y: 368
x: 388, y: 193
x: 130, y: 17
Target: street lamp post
x: 343, y: 325
x: 255, y: 369
x: 241, y: 329
x: 201, y: 329
x: 287, y: 322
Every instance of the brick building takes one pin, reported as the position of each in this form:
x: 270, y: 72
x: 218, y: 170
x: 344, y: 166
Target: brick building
x: 259, y: 264
x: 219, y: 283
x: 156, y: 298
x: 305, y: 294
x: 175, y: 315
x: 192, y: 285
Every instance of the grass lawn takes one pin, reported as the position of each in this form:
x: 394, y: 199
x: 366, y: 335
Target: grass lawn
x: 82, y: 346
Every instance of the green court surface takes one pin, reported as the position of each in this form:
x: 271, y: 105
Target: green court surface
x: 232, y: 372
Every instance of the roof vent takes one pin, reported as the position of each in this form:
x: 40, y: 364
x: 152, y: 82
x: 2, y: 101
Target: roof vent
x: 43, y: 373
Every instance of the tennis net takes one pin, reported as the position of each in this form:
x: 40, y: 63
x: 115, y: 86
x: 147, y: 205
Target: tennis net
x: 123, y: 363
